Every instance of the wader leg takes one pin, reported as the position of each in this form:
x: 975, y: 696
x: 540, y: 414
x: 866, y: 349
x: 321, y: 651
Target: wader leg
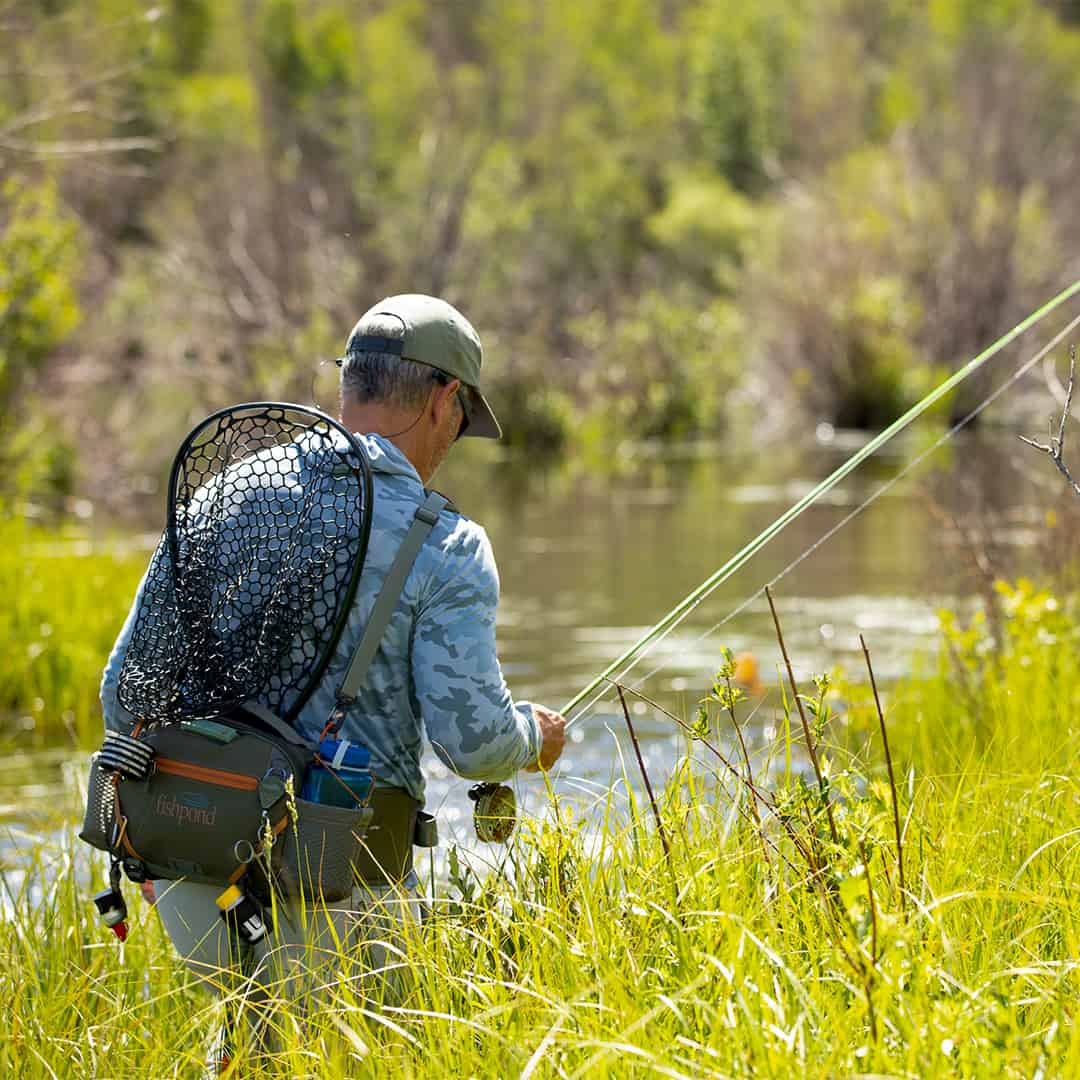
x: 360, y: 946
x: 191, y: 919
x: 199, y: 934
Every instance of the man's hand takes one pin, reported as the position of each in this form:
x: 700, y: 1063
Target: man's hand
x: 553, y: 735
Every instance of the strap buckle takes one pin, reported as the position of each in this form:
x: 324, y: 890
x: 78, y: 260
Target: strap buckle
x: 337, y: 716
x: 425, y: 831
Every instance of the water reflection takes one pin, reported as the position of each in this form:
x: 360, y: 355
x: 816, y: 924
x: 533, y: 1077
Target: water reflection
x: 588, y: 561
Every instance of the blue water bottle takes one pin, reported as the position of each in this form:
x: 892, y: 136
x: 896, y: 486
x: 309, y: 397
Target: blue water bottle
x: 340, y: 775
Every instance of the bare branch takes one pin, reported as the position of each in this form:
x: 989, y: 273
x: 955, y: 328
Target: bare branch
x: 64, y: 100
x: 78, y: 147
x: 810, y: 744
x: 1055, y: 448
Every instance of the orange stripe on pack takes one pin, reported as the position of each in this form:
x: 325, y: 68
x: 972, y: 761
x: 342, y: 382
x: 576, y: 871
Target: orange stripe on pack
x: 210, y: 776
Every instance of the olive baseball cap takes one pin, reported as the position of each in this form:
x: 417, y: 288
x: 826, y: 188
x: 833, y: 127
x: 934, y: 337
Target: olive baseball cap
x: 435, y: 334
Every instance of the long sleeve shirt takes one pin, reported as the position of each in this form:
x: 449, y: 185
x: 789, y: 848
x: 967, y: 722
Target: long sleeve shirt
x: 436, y: 670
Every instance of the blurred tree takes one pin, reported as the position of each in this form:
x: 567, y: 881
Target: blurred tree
x: 186, y: 32
x: 1069, y: 10
x: 741, y: 90
x: 39, y: 264
x: 637, y: 203
x: 40, y: 259
x: 705, y: 227
x: 285, y: 54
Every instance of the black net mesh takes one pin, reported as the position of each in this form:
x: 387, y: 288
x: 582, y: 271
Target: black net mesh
x: 248, y: 590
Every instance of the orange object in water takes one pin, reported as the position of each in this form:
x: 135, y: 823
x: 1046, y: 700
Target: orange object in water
x: 746, y: 673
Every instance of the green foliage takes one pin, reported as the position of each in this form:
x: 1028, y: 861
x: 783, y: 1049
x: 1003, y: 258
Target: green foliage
x: 650, y: 210
x: 535, y: 418
x: 955, y: 18
x: 307, y: 57
x: 40, y: 261
x: 39, y: 267
x: 741, y: 88
x: 705, y: 227
x: 283, y: 49
x: 1020, y: 648
x: 396, y: 95
x: 65, y: 605
x: 662, y: 368
x: 218, y: 109
x: 879, y: 374
x: 186, y: 32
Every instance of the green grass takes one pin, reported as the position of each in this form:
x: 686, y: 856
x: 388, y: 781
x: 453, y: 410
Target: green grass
x: 64, y: 600
x: 603, y: 957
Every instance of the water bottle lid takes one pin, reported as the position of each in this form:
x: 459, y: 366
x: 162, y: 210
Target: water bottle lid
x: 343, y: 754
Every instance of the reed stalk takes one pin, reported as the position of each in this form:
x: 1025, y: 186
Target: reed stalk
x: 811, y: 747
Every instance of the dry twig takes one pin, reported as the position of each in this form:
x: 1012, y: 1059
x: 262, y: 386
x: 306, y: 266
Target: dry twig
x: 810, y: 744
x: 652, y: 797
x: 1055, y: 448
x: 892, y: 780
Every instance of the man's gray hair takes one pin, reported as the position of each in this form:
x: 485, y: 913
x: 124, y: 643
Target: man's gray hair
x: 382, y: 378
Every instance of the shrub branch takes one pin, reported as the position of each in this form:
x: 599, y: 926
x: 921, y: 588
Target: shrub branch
x: 810, y: 744
x: 892, y: 779
x: 1055, y: 448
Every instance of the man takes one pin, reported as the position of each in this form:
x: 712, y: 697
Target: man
x: 409, y: 388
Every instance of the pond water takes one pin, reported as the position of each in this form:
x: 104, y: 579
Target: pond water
x: 590, y: 559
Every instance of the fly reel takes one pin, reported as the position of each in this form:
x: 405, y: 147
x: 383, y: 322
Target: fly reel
x: 494, y: 812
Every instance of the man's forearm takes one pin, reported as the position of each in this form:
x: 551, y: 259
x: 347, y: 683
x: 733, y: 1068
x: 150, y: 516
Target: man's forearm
x: 483, y: 744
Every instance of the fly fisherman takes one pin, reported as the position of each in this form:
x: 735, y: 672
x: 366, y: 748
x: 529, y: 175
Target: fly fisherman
x: 409, y: 388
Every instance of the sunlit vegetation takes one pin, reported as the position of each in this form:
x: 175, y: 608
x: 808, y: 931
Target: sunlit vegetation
x: 779, y: 943
x: 656, y: 212
x: 664, y: 217
x: 65, y: 598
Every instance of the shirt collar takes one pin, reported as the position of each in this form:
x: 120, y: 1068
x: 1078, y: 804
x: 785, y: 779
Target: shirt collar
x: 387, y: 458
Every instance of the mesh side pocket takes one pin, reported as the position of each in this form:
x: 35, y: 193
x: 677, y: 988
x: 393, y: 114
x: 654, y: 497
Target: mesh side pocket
x: 97, y: 826
x: 321, y: 850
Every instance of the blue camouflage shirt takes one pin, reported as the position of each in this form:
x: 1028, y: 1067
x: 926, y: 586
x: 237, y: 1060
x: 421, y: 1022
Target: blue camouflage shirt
x: 436, y: 670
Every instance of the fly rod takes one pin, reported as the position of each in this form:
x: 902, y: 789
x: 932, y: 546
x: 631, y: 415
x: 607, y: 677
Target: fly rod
x: 745, y: 554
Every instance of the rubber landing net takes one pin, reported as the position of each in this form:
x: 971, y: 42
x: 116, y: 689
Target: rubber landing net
x: 268, y: 520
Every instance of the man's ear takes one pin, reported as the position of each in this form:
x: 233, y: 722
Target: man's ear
x: 443, y: 399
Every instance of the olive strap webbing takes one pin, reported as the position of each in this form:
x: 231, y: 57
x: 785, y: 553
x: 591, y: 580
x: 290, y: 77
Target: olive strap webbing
x: 277, y: 725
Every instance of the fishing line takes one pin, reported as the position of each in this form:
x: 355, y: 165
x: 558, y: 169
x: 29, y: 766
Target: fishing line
x: 743, y: 556
x: 884, y: 489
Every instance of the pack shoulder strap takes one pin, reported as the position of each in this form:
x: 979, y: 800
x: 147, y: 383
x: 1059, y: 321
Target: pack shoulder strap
x: 277, y: 725
x: 424, y: 521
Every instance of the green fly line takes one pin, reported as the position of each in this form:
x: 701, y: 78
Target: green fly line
x: 745, y: 554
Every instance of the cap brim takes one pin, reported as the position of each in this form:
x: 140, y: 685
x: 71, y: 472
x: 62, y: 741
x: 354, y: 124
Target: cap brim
x: 482, y: 423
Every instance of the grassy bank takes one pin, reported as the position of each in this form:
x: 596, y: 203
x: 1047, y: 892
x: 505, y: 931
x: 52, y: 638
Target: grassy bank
x: 65, y: 598
x: 783, y: 950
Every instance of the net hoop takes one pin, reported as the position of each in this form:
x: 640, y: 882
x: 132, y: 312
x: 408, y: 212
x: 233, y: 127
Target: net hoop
x: 268, y: 519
